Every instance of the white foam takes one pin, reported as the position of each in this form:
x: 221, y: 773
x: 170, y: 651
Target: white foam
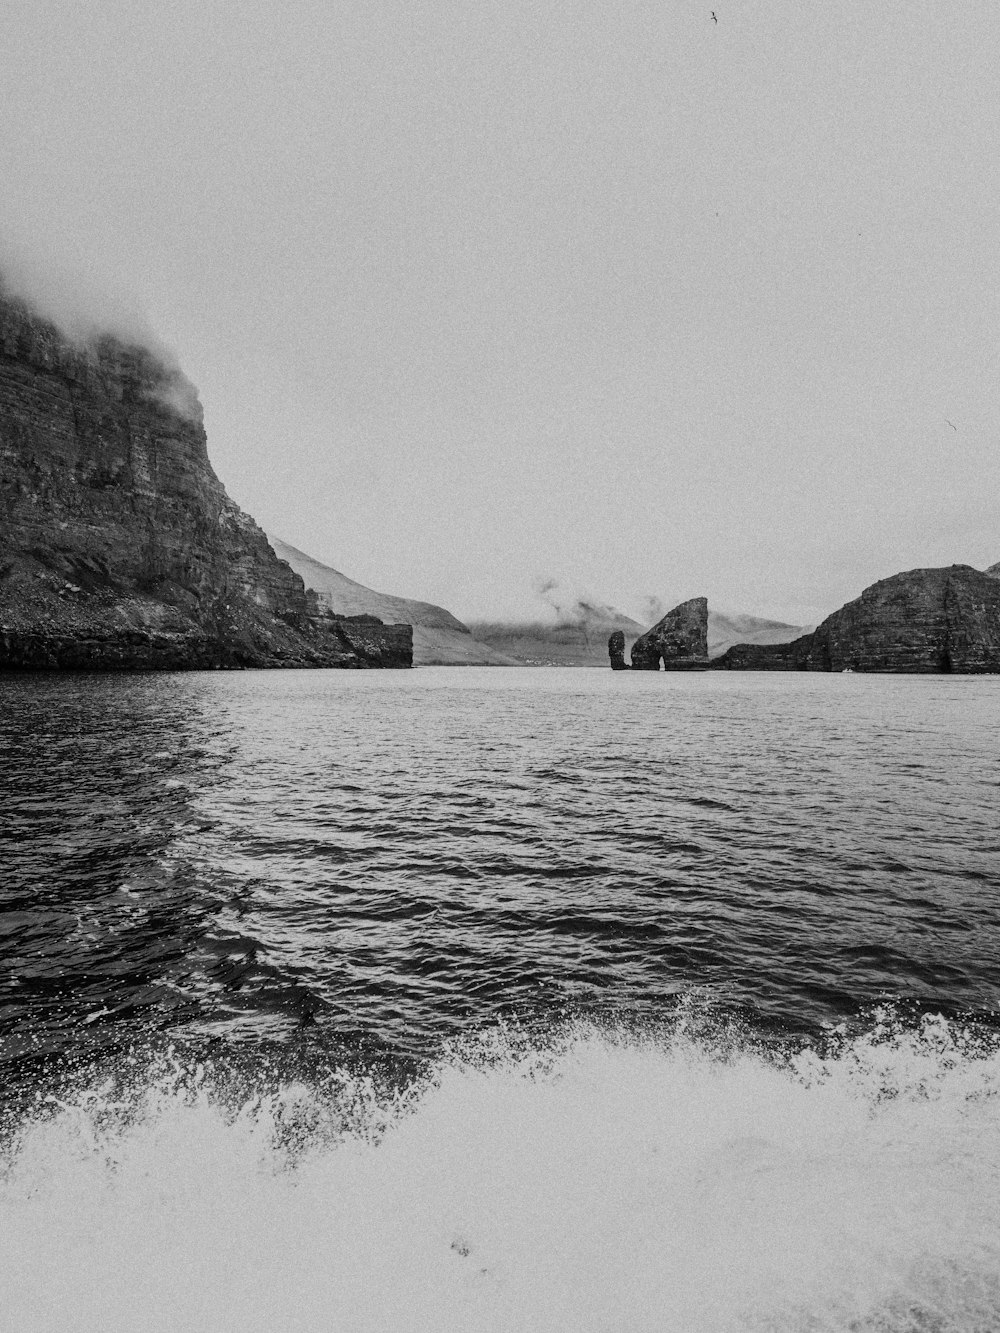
x: 604, y: 1183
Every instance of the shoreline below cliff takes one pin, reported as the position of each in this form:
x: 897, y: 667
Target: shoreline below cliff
x: 119, y: 547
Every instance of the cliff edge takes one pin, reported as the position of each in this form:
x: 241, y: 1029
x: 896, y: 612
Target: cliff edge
x: 923, y: 620
x: 679, y: 640
x: 119, y: 547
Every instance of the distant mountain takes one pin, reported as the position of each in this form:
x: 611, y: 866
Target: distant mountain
x: 583, y: 641
x: 724, y: 631
x: 439, y: 638
x: 578, y: 637
x: 543, y: 643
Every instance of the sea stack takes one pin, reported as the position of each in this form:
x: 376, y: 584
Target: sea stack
x: 119, y: 547
x: 679, y: 640
x: 616, y: 651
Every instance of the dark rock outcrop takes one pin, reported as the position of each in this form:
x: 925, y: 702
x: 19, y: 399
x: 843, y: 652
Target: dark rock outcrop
x: 924, y: 620
x: 119, y: 547
x: 616, y: 651
x: 679, y: 640
x: 792, y: 656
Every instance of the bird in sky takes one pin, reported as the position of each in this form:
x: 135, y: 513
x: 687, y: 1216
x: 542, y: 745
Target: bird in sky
x: 714, y: 19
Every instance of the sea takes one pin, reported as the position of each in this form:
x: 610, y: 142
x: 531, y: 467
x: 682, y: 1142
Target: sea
x: 503, y: 999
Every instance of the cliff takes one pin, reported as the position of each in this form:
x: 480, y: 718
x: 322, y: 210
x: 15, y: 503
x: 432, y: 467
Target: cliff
x: 119, y: 547
x: 924, y: 620
x: 679, y: 640
x: 793, y: 656
x: 439, y: 638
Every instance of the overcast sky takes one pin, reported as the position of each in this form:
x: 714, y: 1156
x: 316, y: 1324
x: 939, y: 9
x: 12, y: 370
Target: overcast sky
x: 613, y: 293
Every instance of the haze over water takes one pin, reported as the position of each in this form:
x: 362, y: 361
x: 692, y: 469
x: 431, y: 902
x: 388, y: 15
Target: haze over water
x: 500, y: 999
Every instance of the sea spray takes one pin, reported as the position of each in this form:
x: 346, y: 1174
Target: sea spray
x: 595, y: 1179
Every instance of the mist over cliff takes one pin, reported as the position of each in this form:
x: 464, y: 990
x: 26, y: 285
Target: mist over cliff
x: 574, y: 627
x: 571, y: 606
x: 88, y: 313
x: 119, y: 547
x: 83, y: 306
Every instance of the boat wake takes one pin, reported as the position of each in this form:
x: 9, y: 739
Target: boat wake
x: 594, y: 1180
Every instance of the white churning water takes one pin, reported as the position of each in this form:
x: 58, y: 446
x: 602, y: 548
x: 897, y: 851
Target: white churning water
x: 601, y: 1181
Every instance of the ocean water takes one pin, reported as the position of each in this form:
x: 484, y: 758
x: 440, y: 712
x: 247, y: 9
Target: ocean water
x: 501, y: 999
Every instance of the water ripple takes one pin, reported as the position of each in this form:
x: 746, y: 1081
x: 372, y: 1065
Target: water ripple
x: 391, y: 858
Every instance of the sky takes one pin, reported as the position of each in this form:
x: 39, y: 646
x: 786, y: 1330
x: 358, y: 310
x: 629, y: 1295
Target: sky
x: 630, y: 297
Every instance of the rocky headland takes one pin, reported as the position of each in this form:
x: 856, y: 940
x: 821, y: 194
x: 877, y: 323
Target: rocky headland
x: 923, y: 620
x: 119, y: 547
x: 679, y: 640
x: 439, y: 638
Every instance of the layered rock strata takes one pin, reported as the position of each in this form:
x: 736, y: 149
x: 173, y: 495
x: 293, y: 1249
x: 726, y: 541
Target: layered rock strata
x: 119, y: 547
x: 924, y: 620
x: 679, y: 640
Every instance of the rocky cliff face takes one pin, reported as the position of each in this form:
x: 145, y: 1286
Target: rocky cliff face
x: 616, y: 651
x: 792, y: 656
x: 679, y: 640
x: 439, y: 638
x: 119, y: 546
x: 925, y: 620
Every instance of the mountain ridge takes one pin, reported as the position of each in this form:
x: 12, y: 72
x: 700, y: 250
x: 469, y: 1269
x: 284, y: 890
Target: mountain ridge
x: 439, y: 638
x: 584, y: 642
